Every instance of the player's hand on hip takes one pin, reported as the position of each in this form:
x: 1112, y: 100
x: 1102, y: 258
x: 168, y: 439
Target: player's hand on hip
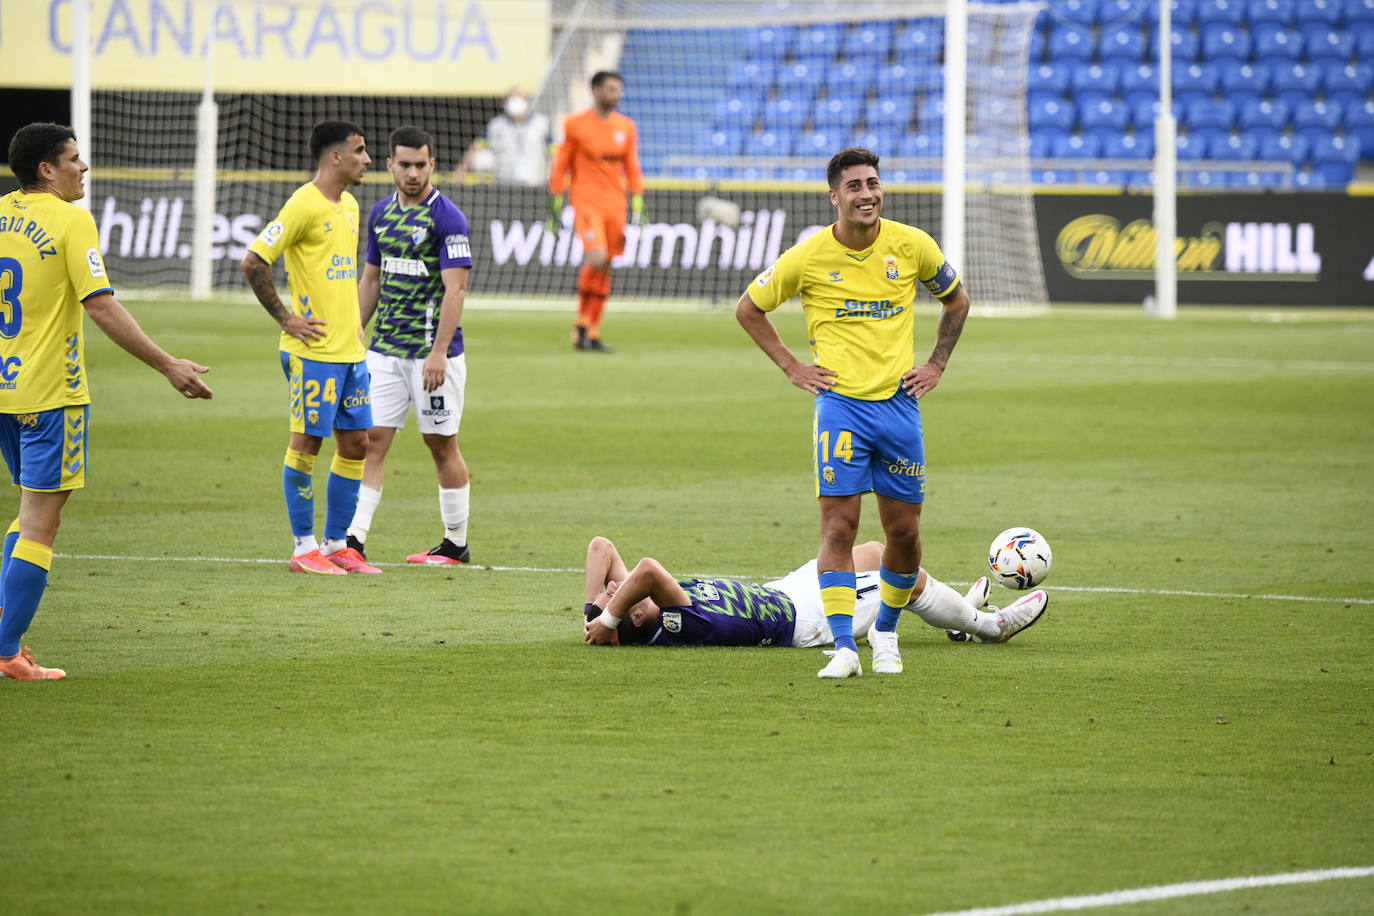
x: 433, y: 370
x: 921, y: 379
x: 185, y: 377
x: 814, y: 379
x: 304, y: 328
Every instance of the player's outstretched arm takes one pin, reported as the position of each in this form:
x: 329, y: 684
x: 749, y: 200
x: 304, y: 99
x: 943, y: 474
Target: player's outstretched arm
x: 304, y: 328
x: 118, y: 325
x: 761, y: 329
x: 953, y: 310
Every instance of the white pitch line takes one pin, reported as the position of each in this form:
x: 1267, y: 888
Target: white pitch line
x: 1192, y: 362
x: 1101, y: 589
x: 1161, y: 892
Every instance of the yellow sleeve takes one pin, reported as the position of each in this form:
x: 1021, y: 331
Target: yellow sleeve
x: 281, y: 233
x: 85, y: 267
x: 780, y: 282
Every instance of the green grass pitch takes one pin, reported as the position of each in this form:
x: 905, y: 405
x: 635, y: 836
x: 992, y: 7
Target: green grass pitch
x: 1196, y: 704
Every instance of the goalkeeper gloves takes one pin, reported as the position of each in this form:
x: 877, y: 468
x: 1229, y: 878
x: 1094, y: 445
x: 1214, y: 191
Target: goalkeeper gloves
x: 636, y: 209
x: 555, y: 217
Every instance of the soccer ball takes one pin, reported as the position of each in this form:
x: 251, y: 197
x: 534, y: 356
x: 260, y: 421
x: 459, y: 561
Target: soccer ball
x: 1019, y: 558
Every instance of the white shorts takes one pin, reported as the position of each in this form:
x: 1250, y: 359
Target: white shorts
x: 397, y: 384
x: 811, y: 628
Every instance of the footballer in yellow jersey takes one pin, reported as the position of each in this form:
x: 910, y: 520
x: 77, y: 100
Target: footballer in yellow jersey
x: 50, y: 273
x: 322, y: 350
x: 857, y: 281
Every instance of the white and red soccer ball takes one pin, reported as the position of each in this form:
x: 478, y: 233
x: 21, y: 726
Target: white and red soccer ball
x: 1019, y: 558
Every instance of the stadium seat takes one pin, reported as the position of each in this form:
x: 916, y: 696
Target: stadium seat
x: 820, y: 43
x: 1117, y: 178
x: 1049, y: 79
x: 1070, y: 43
x: 1232, y: 148
x: 850, y: 80
x: 1182, y: 13
x: 1118, y: 14
x: 1336, y: 157
x: 895, y: 79
x: 1271, y: 114
x: 751, y: 78
x: 1140, y: 179
x: 1289, y: 148
x: 1143, y: 114
x: 766, y: 144
x: 922, y: 144
x: 837, y: 114
x: 1256, y: 180
x: 869, y: 41
x: 1039, y: 42
x: 1275, y: 44
x: 871, y: 140
x: 721, y: 143
x: 1095, y: 78
x: 1075, y: 146
x: 1358, y: 13
x: 1318, y: 12
x: 1129, y: 146
x: 817, y: 144
x: 1347, y: 83
x: 1191, y: 148
x: 800, y: 80
x: 736, y: 114
x: 1208, y: 114
x: 1081, y: 13
x: 1359, y: 123
x: 1108, y: 116
x: 1088, y: 99
x: 1296, y: 83
x: 1183, y: 45
x: 785, y: 114
x: 1315, y: 119
x: 1308, y: 180
x: 770, y: 43
x: 1364, y: 42
x: 919, y: 42
x: 1270, y: 12
x: 1220, y: 12
x: 889, y: 113
x: 1054, y: 176
x: 1325, y: 44
x: 1225, y: 42
x: 930, y: 115
x: 1194, y: 82
x: 1125, y: 46
x: 1139, y: 83
x: 1242, y: 82
x: 1204, y: 178
x: 1051, y: 113
x: 1041, y: 142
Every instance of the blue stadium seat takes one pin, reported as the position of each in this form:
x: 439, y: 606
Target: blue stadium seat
x: 1336, y: 157
x: 1325, y: 44
x: 767, y: 144
x: 800, y: 80
x: 1220, y: 12
x: 1183, y: 45
x: 1117, y: 14
x: 1139, y: 83
x: 1242, y: 82
x: 1051, y: 113
x: 1126, y: 46
x: 1106, y: 116
x: 1315, y: 119
x: 751, y: 78
x: 869, y: 41
x: 922, y: 144
x: 1070, y: 43
x: 1308, y: 180
x: 1255, y: 180
x: 1289, y: 148
x: 1194, y: 82
x: 853, y: 79
x: 785, y: 115
x: 1208, y: 114
x: 837, y: 114
x: 770, y: 43
x: 919, y: 41
x: 699, y: 172
x: 1182, y: 13
x: 1191, y: 148
x: 1039, y: 42
x: 721, y: 143
x: 1049, y: 79
x: 1318, y: 12
x: 1143, y: 115
x: 1364, y: 41
x: 1358, y: 13
x: 930, y: 115
x: 1106, y: 177
x: 1129, y: 146
x: 889, y: 113
x: 872, y: 141
x: 1296, y: 83
x: 820, y: 43
x: 1225, y: 42
x: 1347, y: 83
x: 1078, y: 12
x: 736, y: 114
x: 1232, y: 148
x: 1075, y: 146
x: 895, y: 79
x: 1276, y: 44
x: 1140, y: 179
x: 818, y: 144
x: 1095, y: 78
x: 1205, y: 178
x: 1270, y: 12
x: 1054, y: 176
x: 1270, y: 114
x: 1359, y: 123
x: 1041, y: 142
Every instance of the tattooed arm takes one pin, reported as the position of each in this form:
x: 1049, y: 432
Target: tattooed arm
x: 953, y: 311
x: 304, y: 328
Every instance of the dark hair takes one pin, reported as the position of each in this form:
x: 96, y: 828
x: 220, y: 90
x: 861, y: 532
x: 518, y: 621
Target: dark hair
x: 326, y: 135
x: 35, y: 143
x: 411, y: 136
x: 602, y: 75
x: 629, y: 633
x: 855, y: 155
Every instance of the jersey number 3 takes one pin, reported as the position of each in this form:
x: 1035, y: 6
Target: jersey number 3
x: 11, y: 284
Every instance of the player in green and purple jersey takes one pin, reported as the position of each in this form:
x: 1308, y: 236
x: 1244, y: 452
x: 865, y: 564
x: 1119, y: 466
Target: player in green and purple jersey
x: 414, y: 280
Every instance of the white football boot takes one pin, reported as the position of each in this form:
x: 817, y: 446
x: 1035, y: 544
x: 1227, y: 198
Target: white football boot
x: 1020, y: 614
x: 843, y: 663
x: 886, y: 658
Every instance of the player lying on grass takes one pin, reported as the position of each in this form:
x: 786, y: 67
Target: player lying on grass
x: 651, y: 606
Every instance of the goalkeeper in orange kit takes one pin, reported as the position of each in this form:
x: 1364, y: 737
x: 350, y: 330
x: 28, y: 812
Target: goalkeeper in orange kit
x: 596, y: 166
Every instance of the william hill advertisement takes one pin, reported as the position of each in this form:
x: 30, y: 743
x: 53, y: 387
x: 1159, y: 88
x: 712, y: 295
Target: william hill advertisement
x: 1292, y: 249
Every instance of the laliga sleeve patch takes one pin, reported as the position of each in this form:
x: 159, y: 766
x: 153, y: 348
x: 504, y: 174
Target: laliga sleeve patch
x: 269, y: 235
x: 93, y: 261
x: 672, y: 621
x: 763, y: 278
x: 942, y: 281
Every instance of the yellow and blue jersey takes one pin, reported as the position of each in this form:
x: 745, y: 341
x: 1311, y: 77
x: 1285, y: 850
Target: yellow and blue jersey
x: 858, y: 304
x: 49, y: 264
x: 319, y: 239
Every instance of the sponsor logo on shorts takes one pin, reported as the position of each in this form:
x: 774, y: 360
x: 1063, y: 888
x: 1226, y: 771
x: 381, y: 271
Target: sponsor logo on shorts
x: 436, y: 402
x: 672, y: 621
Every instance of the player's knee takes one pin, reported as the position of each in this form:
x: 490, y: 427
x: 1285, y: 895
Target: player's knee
x: 599, y: 546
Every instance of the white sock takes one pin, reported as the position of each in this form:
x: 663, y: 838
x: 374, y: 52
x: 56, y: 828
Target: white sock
x: 943, y: 607
x: 368, y: 499
x: 332, y: 545
x: 305, y: 544
x: 453, y: 510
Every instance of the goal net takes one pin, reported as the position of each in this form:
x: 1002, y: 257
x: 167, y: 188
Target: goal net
x: 738, y: 107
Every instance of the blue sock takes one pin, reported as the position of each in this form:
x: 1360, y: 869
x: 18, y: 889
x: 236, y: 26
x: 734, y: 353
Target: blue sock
x: 10, y: 537
x: 341, y: 496
x: 895, y: 589
x: 838, y: 591
x: 300, y: 501
x: 21, y: 589
x: 842, y: 628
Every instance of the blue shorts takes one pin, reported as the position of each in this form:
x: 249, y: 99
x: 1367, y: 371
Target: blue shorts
x: 46, y: 451
x: 327, y: 396
x: 860, y: 446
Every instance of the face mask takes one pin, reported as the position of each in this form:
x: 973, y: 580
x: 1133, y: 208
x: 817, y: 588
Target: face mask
x: 516, y: 107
